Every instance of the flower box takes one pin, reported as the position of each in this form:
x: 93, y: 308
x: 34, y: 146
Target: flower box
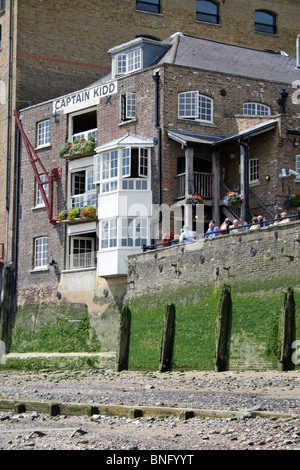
x: 78, y: 148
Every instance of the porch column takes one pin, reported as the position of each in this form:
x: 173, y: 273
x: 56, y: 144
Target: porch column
x: 189, y: 184
x: 216, y: 187
x: 244, y: 177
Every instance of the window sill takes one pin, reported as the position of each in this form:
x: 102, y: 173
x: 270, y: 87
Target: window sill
x: 130, y: 121
x: 254, y: 183
x: 208, y: 22
x: 269, y: 34
x: 42, y: 206
x: 40, y: 147
x: 41, y: 269
x: 149, y: 12
x: 77, y: 270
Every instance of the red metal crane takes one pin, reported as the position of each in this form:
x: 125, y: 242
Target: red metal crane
x: 55, y: 173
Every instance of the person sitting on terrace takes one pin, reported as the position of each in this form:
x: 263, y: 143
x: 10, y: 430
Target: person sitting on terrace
x: 255, y: 224
x: 276, y: 221
x: 262, y: 221
x: 243, y: 223
x: 285, y: 219
x: 224, y: 226
x: 212, y: 231
x: 186, y: 235
x: 235, y: 226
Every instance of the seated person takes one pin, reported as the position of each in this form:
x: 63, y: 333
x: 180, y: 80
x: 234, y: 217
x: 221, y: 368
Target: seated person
x: 243, y: 223
x: 186, y: 235
x: 285, y: 220
x: 223, y: 228
x: 235, y: 226
x: 212, y: 231
x: 255, y: 222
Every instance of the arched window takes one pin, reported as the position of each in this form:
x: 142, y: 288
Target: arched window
x: 207, y: 11
x: 265, y: 22
x: 255, y: 109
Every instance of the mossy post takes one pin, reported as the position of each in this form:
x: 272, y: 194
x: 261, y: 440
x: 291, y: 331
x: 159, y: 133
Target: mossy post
x: 167, y: 343
x: 124, y: 339
x: 287, y: 331
x: 223, y: 329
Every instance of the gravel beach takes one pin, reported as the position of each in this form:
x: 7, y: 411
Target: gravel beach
x: 243, y: 391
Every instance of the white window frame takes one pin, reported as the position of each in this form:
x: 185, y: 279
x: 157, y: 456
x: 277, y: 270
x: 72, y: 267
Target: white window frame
x: 195, y: 106
x: 43, y: 133
x: 253, y: 170
x: 127, y: 62
x: 128, y: 106
x: 108, y: 175
x: 85, y: 261
x: 134, y: 232
x: 40, y: 260
x: 39, y: 202
x: 109, y: 234
x: 143, y: 160
x: 298, y: 166
x: 256, y: 109
x: 89, y: 196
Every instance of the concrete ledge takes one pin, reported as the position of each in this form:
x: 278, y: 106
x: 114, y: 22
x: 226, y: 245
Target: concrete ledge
x: 54, y: 408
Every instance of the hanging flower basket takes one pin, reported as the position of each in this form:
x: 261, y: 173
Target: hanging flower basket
x: 233, y: 198
x: 194, y: 199
x: 292, y: 201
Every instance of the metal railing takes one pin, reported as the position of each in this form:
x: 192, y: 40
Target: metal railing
x: 240, y: 229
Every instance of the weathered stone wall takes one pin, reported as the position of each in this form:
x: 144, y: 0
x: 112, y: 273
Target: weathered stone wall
x: 259, y: 268
x: 256, y: 260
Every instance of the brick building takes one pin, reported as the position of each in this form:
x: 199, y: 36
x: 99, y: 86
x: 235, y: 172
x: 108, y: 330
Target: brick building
x: 46, y: 52
x: 174, y: 117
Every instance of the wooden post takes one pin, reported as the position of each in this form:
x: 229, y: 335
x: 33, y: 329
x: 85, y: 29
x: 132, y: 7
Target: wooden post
x: 223, y: 329
x: 287, y: 331
x: 166, y: 351
x: 123, y: 340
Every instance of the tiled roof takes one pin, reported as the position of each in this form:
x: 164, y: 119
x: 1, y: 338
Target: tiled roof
x: 232, y: 60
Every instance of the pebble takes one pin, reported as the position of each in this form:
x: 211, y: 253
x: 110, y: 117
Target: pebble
x: 274, y: 391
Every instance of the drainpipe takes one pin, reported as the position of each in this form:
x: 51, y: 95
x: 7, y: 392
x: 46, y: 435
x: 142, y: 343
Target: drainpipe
x: 8, y: 152
x: 244, y: 152
x: 297, y: 52
x: 156, y: 80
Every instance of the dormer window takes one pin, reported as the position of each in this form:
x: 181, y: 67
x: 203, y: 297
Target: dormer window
x: 128, y: 62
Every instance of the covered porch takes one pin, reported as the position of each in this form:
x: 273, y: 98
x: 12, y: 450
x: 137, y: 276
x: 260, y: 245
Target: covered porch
x: 211, y: 182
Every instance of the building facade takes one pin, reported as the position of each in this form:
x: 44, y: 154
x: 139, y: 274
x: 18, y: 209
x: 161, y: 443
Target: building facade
x: 46, y: 52
x: 175, y: 117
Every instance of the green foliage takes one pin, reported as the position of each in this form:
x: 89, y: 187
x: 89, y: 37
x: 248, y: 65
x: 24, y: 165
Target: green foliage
x: 254, y: 329
x: 78, y: 146
x: 88, y: 211
x: 61, y: 336
x: 73, y: 213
